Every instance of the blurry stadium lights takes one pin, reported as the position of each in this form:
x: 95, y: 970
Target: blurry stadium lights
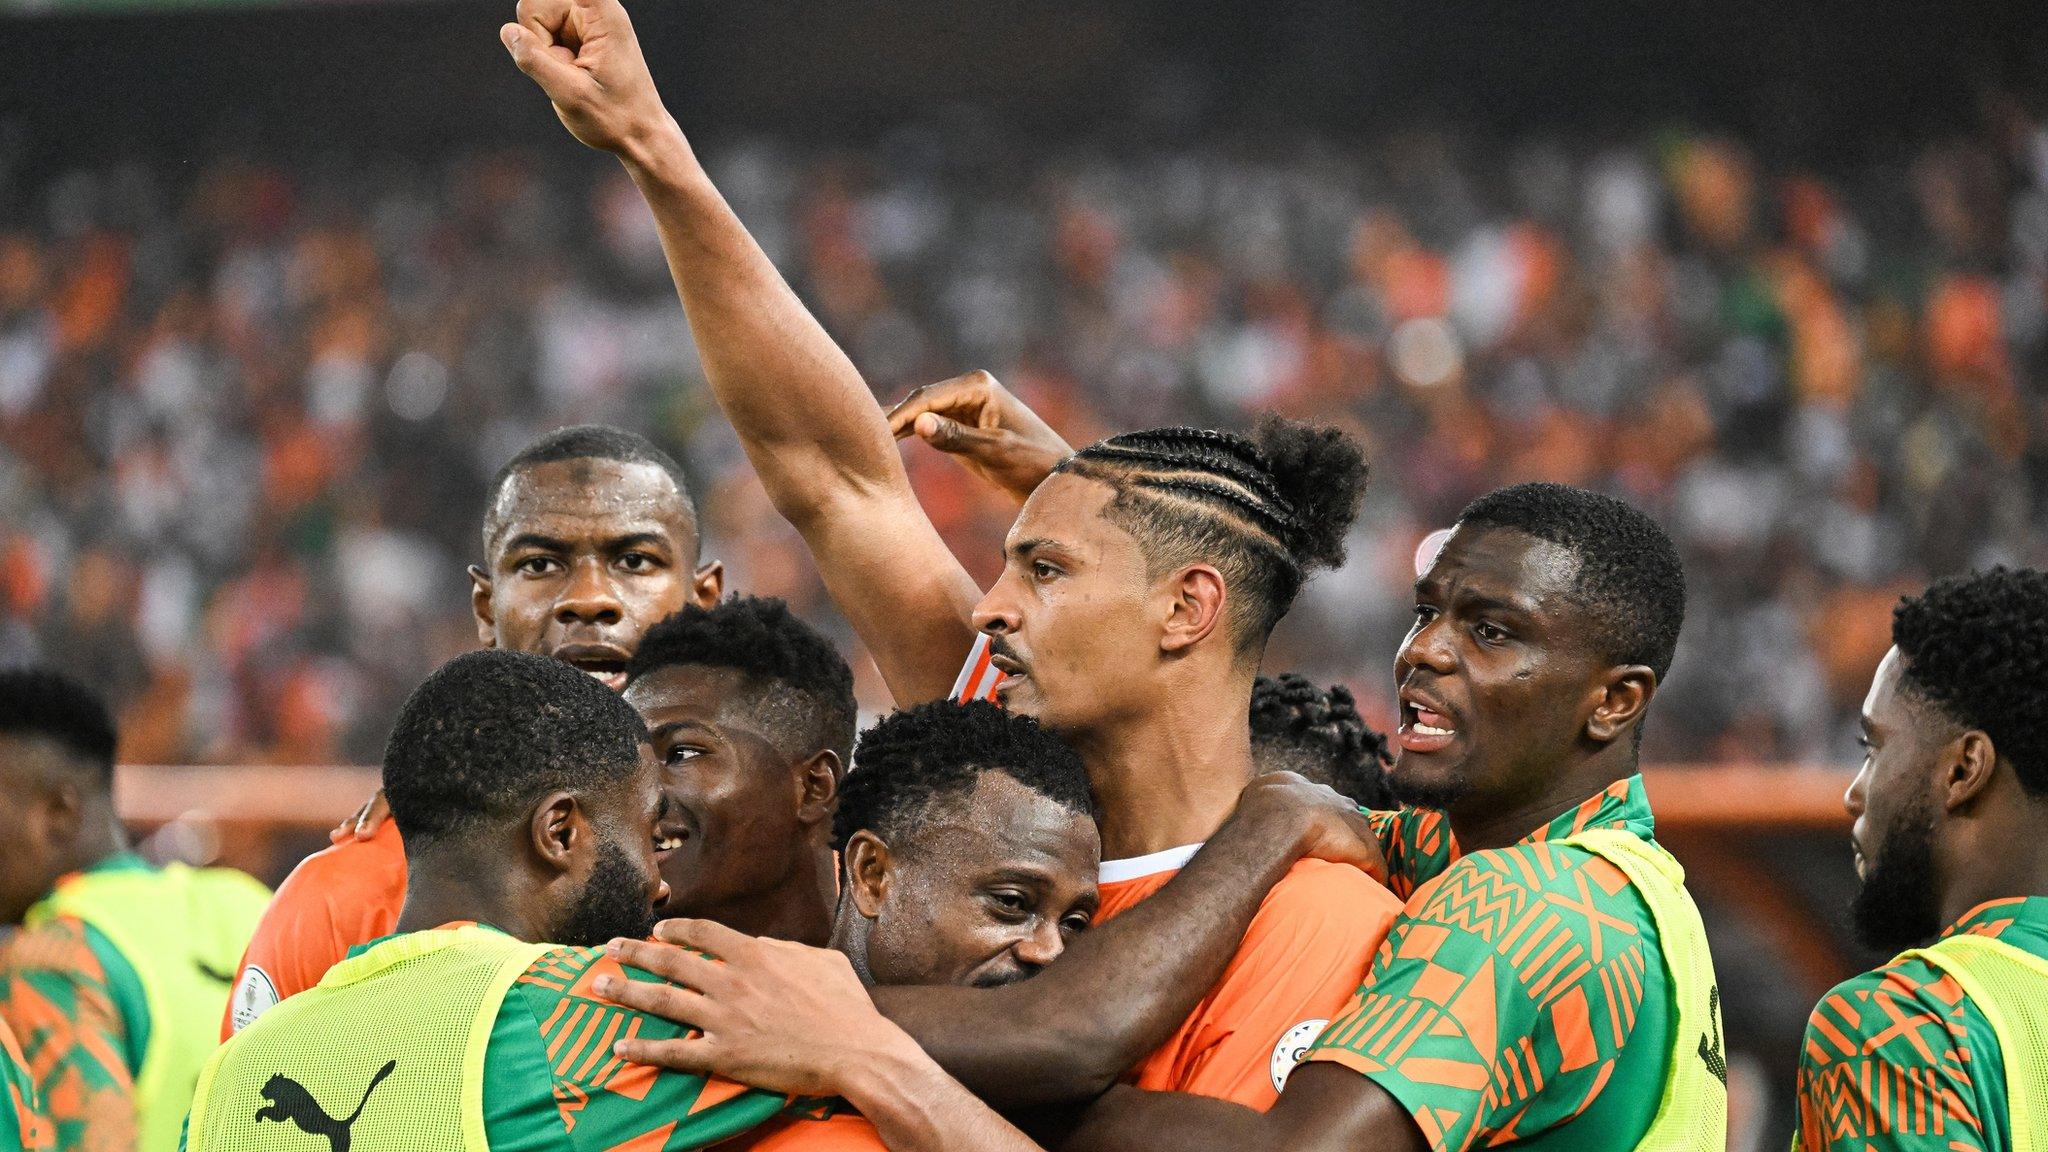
x: 1425, y: 352
x: 416, y: 387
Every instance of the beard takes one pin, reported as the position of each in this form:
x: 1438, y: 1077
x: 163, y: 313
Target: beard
x: 1414, y: 793
x: 1896, y: 908
x: 613, y: 904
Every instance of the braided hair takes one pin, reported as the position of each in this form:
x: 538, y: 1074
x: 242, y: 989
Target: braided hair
x: 1266, y: 510
x: 1298, y: 727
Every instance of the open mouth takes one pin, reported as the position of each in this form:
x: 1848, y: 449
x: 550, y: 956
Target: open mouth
x: 668, y: 840
x: 1425, y: 727
x: 603, y: 663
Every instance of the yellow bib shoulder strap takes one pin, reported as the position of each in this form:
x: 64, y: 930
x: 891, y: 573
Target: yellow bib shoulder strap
x: 1693, y: 1114
x: 2010, y: 987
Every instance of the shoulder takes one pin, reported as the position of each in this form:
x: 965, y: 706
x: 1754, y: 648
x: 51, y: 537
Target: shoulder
x: 1319, y: 888
x: 1516, y: 879
x: 376, y: 864
x: 63, y: 945
x: 1908, y: 1005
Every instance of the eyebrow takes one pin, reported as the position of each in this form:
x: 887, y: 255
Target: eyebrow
x: 674, y: 726
x: 1026, y: 547
x: 636, y: 540
x: 536, y: 540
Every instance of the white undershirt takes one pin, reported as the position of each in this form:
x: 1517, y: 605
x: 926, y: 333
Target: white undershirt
x: 1151, y: 864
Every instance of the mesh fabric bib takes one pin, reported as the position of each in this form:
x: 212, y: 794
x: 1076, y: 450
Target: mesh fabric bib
x: 182, y: 930
x: 1693, y: 1114
x: 2010, y: 987
x: 385, y: 1054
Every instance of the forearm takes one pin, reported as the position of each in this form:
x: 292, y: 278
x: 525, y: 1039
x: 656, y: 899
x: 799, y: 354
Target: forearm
x: 802, y: 411
x: 916, y: 1107
x: 1117, y: 993
x: 811, y: 429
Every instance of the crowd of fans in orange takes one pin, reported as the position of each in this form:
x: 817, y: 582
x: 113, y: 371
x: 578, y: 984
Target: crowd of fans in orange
x: 248, y: 413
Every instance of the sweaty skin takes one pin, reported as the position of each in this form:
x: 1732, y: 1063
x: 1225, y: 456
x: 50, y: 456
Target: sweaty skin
x: 988, y: 891
x: 828, y: 460
x: 753, y: 825
x: 583, y: 556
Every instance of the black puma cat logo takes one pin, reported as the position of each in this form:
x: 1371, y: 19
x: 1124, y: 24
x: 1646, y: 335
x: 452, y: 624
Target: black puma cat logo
x: 291, y: 1103
x: 1717, y: 1060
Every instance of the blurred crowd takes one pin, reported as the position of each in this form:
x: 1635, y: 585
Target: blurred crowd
x: 248, y: 410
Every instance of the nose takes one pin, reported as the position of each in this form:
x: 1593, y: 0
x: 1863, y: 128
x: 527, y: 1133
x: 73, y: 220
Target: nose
x: 997, y: 613
x: 1427, y: 646
x: 1859, y: 788
x: 1041, y: 947
x: 589, y: 597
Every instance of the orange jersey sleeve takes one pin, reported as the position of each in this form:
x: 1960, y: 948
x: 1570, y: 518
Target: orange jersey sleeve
x: 339, y: 897
x: 1299, y: 964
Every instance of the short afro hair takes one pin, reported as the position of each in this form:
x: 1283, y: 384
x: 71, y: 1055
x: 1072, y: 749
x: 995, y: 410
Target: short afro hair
x: 804, y: 684
x: 490, y: 733
x: 1298, y: 727
x: 1629, y: 575
x: 910, y: 765
x: 47, y: 704
x: 1266, y: 510
x: 587, y: 442
x: 1976, y: 647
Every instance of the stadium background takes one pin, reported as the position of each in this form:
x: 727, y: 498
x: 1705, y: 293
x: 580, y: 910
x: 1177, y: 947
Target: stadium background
x: 280, y: 287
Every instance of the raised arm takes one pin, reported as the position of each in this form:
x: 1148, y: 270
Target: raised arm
x: 808, y: 423
x: 1119, y: 990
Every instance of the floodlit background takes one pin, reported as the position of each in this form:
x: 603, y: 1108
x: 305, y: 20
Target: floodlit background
x: 281, y: 287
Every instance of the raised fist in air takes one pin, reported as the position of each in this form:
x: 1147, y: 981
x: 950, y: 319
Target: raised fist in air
x: 584, y: 55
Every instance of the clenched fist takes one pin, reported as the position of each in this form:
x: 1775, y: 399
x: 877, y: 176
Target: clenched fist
x: 584, y: 55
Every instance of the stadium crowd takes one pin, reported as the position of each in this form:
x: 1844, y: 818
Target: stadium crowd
x: 248, y: 413
x: 638, y: 877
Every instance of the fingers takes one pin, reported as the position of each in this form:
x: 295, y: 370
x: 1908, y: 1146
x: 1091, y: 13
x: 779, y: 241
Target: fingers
x: 547, y: 63
x: 675, y: 965
x: 692, y: 1054
x: 668, y: 1001
x: 964, y: 395
x: 705, y: 936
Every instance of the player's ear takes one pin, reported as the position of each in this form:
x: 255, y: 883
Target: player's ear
x: 559, y: 830
x: 867, y: 863
x: 817, y: 782
x: 708, y: 584
x: 1620, y: 701
x: 480, y: 606
x: 1194, y: 607
x: 1967, y: 765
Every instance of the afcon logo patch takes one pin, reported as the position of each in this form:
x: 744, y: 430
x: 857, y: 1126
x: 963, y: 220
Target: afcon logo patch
x: 1293, y: 1047
x: 254, y: 996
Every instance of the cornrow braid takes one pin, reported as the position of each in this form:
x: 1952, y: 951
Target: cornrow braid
x: 1264, y: 510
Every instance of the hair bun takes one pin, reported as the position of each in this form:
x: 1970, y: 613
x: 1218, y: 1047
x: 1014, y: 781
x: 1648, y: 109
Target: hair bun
x: 1321, y: 473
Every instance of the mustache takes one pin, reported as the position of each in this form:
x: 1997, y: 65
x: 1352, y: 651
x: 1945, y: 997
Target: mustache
x: 1000, y: 646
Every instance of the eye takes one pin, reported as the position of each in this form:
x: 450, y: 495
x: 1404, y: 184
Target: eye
x: 638, y: 562
x: 1042, y: 570
x: 1489, y: 632
x: 683, y: 753
x: 1009, y: 904
x: 1078, y: 922
x: 1424, y: 613
x: 537, y: 566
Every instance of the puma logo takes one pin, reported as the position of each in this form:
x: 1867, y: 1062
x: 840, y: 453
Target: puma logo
x: 1717, y: 1060
x: 291, y: 1103
x: 214, y: 974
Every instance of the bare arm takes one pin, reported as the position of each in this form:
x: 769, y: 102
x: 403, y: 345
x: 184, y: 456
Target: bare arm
x: 1119, y: 989
x: 808, y: 423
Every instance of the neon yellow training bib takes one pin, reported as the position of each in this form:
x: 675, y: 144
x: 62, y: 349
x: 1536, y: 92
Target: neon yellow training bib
x: 2010, y: 987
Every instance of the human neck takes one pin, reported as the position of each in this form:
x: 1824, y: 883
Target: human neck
x: 1171, y: 776
x: 798, y: 909
x: 2006, y: 858
x: 442, y: 890
x: 1479, y: 826
x: 99, y: 837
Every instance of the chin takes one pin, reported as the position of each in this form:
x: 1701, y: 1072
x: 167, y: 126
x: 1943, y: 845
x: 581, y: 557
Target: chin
x: 1425, y: 786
